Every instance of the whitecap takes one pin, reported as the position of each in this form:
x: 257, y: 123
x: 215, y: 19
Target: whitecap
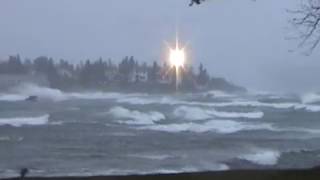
x: 12, y: 97
x: 5, y: 138
x: 142, y: 100
x: 249, y: 115
x: 310, y: 98
x: 217, y: 93
x: 42, y: 92
x: 299, y: 130
x: 9, y: 173
x: 158, y: 157
x: 262, y: 157
x: 285, y: 105
x: 217, y: 126
x: 197, y: 113
x: 122, y: 134
x: 128, y: 116
x: 8, y: 138
x: 241, y: 103
x: 95, y: 95
x: 25, y: 90
x: 191, y: 113
x: 183, y: 169
x: 312, y: 108
x: 190, y: 169
x: 22, y: 121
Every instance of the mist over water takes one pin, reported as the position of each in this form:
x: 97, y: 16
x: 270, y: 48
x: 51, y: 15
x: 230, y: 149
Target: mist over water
x: 103, y: 133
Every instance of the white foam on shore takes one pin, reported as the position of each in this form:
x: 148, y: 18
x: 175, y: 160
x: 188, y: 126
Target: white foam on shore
x: 134, y: 117
x: 84, y: 172
x: 185, y: 169
x: 9, y: 173
x: 22, y: 121
x: 197, y: 113
x: 213, y: 167
x: 217, y: 126
x: 121, y: 172
x: 262, y: 157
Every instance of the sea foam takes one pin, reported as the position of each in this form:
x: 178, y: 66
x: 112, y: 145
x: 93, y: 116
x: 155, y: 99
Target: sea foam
x: 217, y: 126
x: 12, y: 97
x: 42, y: 92
x: 197, y: 113
x: 234, y: 103
x: 262, y: 157
x: 249, y: 115
x: 128, y: 116
x: 216, y: 93
x: 22, y: 121
x: 191, y: 113
x: 25, y: 90
x: 310, y: 98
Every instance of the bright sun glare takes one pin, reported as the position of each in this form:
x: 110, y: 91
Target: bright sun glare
x: 177, y: 60
x: 177, y: 57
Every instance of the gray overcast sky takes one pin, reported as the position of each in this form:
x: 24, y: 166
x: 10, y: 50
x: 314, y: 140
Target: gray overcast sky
x: 241, y: 40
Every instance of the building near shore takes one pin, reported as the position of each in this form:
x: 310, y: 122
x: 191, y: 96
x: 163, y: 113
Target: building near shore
x: 138, y: 76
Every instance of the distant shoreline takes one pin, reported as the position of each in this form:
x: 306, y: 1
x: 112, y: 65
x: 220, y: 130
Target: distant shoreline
x: 218, y: 175
x: 128, y: 74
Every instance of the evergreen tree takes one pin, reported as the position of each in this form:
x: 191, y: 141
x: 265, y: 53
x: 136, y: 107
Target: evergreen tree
x: 203, y: 76
x: 154, y: 72
x: 15, y: 65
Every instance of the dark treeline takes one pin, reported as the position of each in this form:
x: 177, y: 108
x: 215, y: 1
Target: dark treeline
x: 105, y: 74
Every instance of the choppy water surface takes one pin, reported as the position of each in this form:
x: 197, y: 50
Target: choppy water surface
x: 114, y: 133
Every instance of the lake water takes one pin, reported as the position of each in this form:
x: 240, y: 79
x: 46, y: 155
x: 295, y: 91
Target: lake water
x: 65, y: 134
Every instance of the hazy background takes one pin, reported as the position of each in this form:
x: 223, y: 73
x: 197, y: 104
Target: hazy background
x: 242, y: 40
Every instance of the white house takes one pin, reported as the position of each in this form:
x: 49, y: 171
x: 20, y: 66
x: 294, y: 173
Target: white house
x: 137, y: 76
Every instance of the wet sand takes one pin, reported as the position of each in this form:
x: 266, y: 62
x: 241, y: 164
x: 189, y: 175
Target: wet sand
x: 224, y: 175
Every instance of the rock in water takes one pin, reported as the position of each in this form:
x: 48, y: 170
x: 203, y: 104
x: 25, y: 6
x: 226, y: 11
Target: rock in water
x: 32, y: 98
